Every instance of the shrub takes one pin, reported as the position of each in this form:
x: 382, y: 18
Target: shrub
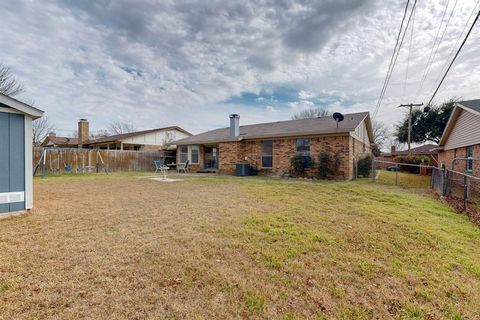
x: 328, y: 165
x: 364, y: 166
x: 411, y: 159
x: 300, y: 163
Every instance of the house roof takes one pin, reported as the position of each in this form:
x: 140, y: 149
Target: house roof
x: 57, y: 140
x: 472, y: 106
x: 20, y: 106
x: 425, y: 149
x: 289, y: 128
x: 122, y: 136
x: 66, y: 141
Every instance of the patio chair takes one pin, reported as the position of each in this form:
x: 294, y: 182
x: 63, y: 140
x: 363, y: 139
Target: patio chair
x: 183, y: 167
x: 159, y: 166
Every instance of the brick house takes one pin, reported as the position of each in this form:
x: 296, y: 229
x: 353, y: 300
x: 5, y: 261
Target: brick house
x: 268, y: 147
x: 460, y: 143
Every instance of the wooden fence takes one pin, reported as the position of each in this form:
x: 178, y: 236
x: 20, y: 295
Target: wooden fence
x: 62, y: 160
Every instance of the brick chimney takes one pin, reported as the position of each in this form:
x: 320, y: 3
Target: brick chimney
x: 392, y: 150
x: 83, y: 132
x: 234, y: 125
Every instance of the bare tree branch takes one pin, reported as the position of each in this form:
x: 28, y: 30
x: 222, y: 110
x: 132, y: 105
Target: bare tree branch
x: 9, y: 85
x: 380, y: 134
x: 41, y: 128
x: 118, y: 127
x: 311, y: 113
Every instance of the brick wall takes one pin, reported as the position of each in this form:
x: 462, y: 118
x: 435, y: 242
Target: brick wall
x: 283, y: 149
x: 446, y: 156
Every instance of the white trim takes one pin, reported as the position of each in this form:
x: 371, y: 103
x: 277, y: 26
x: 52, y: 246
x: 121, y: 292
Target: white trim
x: 468, y: 109
x: 28, y: 163
x: 20, y: 106
x: 12, y: 197
x: 10, y: 110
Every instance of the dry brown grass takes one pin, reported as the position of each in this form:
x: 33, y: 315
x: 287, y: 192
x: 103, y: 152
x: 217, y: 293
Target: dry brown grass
x: 122, y: 247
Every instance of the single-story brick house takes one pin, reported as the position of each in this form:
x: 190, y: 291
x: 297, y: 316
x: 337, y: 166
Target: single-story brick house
x: 270, y: 146
x: 461, y: 139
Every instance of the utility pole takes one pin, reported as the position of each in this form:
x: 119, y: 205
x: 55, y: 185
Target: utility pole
x: 410, y: 107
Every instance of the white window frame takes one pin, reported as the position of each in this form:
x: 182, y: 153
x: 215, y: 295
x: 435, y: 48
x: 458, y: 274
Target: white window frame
x: 190, y: 148
x: 180, y: 153
x: 266, y: 155
x: 189, y: 153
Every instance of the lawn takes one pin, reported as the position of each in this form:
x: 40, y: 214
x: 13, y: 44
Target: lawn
x: 127, y: 247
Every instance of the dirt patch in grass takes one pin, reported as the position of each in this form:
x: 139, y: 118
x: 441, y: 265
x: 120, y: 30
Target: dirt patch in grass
x: 120, y: 247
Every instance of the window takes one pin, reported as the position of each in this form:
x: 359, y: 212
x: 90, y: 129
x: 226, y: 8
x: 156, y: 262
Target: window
x: 183, y: 154
x: 267, y: 154
x: 303, y: 147
x: 194, y: 154
x: 469, y: 159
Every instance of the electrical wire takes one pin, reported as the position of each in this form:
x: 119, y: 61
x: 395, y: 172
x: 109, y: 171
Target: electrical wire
x: 424, y: 76
x: 455, y: 45
x: 389, y: 75
x: 454, y: 58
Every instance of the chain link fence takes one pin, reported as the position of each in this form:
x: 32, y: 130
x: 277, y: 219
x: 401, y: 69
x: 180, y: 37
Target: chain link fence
x: 459, y: 189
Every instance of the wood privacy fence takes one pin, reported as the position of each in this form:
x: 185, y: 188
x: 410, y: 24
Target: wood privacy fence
x: 62, y: 160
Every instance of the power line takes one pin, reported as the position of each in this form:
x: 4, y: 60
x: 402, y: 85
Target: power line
x: 454, y: 58
x: 424, y: 76
x: 441, y: 39
x: 394, y: 57
x: 456, y: 43
x: 391, y: 59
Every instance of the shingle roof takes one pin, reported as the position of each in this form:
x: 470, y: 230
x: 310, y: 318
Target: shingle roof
x: 63, y: 140
x: 311, y: 126
x: 472, y: 104
x: 424, y: 149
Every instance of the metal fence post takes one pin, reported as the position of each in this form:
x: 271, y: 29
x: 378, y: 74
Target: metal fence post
x: 465, y: 192
x: 396, y: 175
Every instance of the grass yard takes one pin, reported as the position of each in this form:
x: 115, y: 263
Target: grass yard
x: 123, y: 247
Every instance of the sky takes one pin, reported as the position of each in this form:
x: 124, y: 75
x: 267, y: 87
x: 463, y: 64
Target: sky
x: 192, y: 63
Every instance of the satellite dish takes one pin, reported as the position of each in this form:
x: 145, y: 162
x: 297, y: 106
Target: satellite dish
x: 338, y: 117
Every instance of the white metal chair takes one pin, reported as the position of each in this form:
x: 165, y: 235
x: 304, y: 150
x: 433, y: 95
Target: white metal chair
x: 159, y: 166
x: 183, y: 167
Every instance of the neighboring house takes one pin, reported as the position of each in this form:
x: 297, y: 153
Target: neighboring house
x: 153, y: 139
x: 16, y: 184
x: 461, y: 139
x: 429, y: 150
x: 270, y: 146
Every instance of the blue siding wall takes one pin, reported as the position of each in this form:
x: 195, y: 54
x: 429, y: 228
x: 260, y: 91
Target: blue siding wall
x: 12, y: 157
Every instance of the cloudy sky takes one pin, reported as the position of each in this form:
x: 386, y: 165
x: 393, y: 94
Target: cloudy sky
x: 191, y: 63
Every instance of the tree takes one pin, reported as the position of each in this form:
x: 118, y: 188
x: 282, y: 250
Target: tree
x: 426, y: 126
x: 311, y: 113
x: 41, y: 128
x: 9, y: 85
x: 118, y: 127
x: 380, y: 134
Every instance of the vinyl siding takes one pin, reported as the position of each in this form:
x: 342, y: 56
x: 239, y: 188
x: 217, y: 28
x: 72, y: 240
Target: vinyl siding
x: 361, y: 133
x: 466, y: 131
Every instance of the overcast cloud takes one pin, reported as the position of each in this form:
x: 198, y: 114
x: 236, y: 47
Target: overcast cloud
x: 191, y: 63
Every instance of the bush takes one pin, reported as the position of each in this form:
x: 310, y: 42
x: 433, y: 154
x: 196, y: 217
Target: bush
x: 328, y: 165
x: 364, y: 166
x: 300, y: 163
x: 411, y: 159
